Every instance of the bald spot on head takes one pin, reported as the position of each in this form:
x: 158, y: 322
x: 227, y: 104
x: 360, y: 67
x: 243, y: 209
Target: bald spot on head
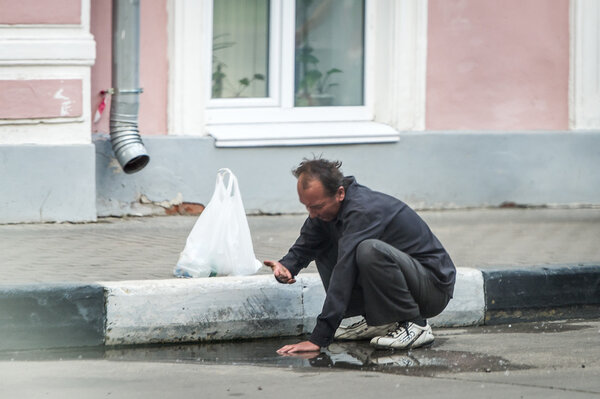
x: 304, y: 180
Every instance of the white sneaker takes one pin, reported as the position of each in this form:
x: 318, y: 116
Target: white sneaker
x: 360, y: 330
x: 406, y: 335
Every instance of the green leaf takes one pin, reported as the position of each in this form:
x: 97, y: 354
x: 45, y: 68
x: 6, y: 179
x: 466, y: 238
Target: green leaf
x: 221, y: 46
x: 216, y: 37
x: 244, y: 82
x: 311, y: 78
x: 313, y: 74
x: 308, y: 58
x: 306, y: 49
x: 259, y: 76
x: 333, y: 70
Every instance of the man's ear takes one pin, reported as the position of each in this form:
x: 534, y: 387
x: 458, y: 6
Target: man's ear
x: 341, y: 193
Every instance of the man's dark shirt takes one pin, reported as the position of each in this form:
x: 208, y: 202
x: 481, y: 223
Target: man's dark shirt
x: 364, y: 214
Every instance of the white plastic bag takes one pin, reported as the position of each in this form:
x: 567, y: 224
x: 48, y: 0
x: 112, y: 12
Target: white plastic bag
x: 220, y: 242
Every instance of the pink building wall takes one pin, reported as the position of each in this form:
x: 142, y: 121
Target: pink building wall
x: 497, y: 65
x: 40, y: 98
x: 153, y: 64
x: 40, y: 12
x: 100, y: 27
x: 491, y: 65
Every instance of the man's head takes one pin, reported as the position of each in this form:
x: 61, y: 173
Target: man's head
x: 320, y: 187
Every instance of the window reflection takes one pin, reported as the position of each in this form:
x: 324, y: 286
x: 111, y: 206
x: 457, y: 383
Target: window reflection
x: 329, y: 65
x: 240, y: 49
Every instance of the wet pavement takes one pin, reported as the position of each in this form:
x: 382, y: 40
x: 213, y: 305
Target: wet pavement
x: 549, y: 359
x: 361, y: 356
x: 543, y: 359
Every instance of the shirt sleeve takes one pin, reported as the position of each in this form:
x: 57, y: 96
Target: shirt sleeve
x: 359, y: 225
x: 304, y: 250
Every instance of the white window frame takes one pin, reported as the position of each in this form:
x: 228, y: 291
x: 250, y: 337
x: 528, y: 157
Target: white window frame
x: 584, y: 80
x: 280, y: 107
x: 394, y: 82
x: 273, y: 100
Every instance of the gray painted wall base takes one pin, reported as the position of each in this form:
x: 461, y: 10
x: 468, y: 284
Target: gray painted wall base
x: 40, y: 183
x: 426, y: 170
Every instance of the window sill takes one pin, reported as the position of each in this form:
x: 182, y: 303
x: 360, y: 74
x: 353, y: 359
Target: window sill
x: 301, y: 133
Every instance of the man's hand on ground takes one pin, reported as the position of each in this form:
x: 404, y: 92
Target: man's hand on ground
x: 304, y: 346
x: 281, y: 273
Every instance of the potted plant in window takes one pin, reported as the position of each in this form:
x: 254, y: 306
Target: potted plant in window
x: 219, y: 77
x: 313, y: 87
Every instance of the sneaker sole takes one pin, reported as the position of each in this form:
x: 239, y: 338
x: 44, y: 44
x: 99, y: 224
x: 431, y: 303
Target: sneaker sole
x: 410, y: 346
x: 353, y: 336
x: 425, y: 345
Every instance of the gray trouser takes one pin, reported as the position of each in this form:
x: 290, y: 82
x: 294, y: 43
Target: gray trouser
x: 391, y: 285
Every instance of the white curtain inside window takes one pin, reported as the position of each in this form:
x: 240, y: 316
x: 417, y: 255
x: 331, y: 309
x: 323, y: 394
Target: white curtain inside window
x: 240, y: 48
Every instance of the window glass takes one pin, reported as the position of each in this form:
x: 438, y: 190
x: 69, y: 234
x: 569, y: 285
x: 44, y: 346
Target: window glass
x: 240, y: 48
x: 329, y: 48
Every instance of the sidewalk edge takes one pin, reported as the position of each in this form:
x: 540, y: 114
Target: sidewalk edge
x: 233, y: 308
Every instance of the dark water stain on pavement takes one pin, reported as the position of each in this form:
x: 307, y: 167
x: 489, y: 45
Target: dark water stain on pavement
x: 356, y: 355
x: 340, y: 355
x: 427, y: 362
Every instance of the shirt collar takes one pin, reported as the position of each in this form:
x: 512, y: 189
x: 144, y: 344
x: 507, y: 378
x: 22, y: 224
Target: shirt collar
x: 348, y: 182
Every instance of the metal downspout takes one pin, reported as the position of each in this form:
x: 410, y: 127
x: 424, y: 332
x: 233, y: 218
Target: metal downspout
x: 124, y: 132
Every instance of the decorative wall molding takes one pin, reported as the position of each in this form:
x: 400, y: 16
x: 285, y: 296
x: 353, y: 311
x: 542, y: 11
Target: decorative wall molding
x: 39, y: 51
x: 49, y: 44
x: 187, y: 21
x: 584, y: 79
x: 401, y: 63
x: 40, y: 57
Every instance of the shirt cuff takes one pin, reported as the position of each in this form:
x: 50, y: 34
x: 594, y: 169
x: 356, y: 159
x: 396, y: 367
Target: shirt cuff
x: 288, y: 265
x: 321, y: 335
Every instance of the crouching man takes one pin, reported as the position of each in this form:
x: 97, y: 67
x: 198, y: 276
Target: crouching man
x: 376, y: 257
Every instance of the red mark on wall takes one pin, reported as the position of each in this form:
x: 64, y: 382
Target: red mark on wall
x: 37, y: 99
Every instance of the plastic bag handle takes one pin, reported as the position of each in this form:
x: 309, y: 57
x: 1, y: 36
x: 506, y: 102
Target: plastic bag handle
x: 232, y: 180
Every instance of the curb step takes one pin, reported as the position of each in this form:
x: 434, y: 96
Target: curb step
x: 230, y: 308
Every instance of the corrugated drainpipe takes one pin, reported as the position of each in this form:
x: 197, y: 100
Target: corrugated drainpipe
x: 124, y: 132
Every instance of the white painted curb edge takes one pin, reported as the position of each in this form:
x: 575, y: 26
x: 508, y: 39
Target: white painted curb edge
x: 227, y: 308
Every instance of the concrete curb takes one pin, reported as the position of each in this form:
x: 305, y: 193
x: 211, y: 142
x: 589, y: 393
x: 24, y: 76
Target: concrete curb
x: 227, y: 308
x: 51, y: 315
x: 551, y: 292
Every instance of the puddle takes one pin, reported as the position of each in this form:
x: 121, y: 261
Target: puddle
x: 530, y: 328
x: 348, y: 355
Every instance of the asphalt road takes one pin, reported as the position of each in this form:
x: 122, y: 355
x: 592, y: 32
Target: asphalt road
x: 533, y: 360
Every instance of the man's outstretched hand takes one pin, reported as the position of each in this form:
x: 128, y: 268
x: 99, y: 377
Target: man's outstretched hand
x: 304, y: 346
x: 281, y: 273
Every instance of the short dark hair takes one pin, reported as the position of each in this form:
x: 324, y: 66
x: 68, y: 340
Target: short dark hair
x: 327, y: 172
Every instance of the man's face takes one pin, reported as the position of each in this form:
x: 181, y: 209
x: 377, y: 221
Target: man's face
x: 317, y: 202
